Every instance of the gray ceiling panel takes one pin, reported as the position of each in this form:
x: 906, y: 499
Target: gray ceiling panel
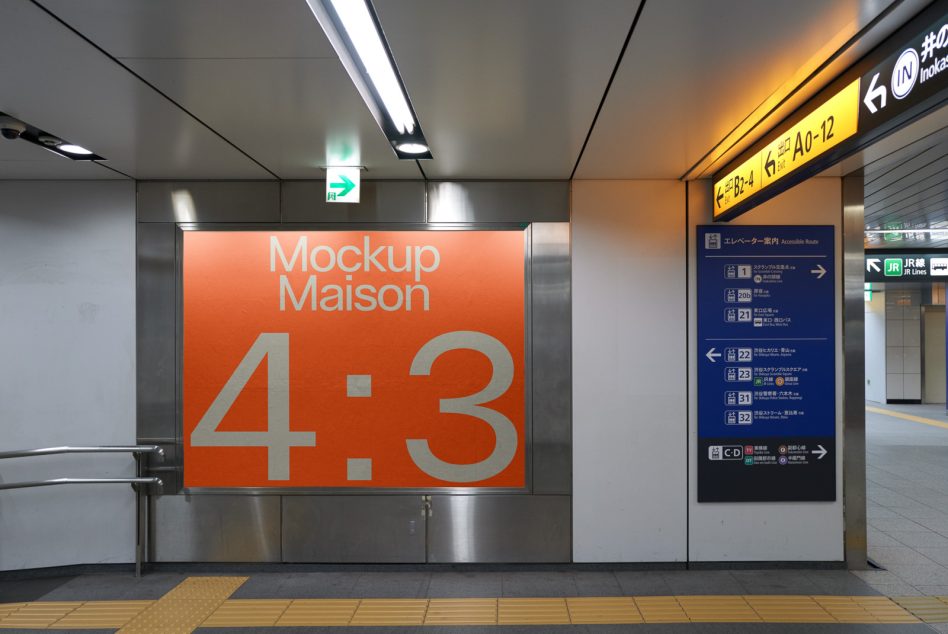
x: 293, y: 115
x: 68, y: 88
x: 695, y: 70
x: 505, y: 90
x: 236, y: 29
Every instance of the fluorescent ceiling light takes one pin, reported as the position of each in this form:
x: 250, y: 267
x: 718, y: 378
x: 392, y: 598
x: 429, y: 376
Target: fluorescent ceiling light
x: 412, y: 148
x: 69, y: 148
x: 354, y: 31
x: 51, y: 142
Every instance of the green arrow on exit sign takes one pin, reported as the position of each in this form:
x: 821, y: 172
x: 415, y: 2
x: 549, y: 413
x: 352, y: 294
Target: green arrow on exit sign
x: 342, y: 184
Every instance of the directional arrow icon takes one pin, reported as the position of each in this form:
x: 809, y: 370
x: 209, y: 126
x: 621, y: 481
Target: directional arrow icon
x: 720, y: 196
x: 820, y: 452
x: 345, y: 184
x: 872, y: 264
x: 770, y: 166
x: 819, y: 271
x: 712, y: 355
x: 873, y: 92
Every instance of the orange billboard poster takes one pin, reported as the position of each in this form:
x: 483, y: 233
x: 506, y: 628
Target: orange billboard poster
x: 382, y: 359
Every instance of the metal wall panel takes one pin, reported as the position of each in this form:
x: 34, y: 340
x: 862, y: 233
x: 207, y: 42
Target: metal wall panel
x: 219, y: 528
x: 155, y: 307
x: 499, y: 528
x: 380, y: 201
x: 354, y: 529
x: 854, y: 374
x: 551, y: 377
x: 498, y: 201
x: 187, y: 201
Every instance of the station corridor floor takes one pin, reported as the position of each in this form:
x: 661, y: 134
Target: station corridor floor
x: 907, y: 493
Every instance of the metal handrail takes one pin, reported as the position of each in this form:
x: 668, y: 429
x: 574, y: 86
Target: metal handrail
x: 48, y: 451
x: 142, y: 493
x: 55, y: 481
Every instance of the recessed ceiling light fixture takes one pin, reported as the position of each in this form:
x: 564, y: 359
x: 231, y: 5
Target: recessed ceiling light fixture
x: 14, y: 128
x: 354, y: 31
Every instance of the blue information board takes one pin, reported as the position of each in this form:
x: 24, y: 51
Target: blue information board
x: 766, y: 363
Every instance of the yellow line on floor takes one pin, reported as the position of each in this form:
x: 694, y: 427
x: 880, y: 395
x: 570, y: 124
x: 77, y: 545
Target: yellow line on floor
x: 915, y: 419
x: 203, y: 602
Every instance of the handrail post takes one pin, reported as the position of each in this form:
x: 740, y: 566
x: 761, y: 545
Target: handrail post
x: 140, y: 525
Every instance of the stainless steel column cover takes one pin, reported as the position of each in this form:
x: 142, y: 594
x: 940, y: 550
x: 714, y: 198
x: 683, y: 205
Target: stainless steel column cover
x: 354, y: 528
x: 854, y: 374
x: 552, y: 388
x: 156, y: 331
x: 498, y: 201
x: 193, y: 201
x: 499, y: 528
x: 239, y: 528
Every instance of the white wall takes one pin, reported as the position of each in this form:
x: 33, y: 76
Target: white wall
x: 798, y: 531
x: 67, y: 367
x: 875, y: 348
x: 629, y: 371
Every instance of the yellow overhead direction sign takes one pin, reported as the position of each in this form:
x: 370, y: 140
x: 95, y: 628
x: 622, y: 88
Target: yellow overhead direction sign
x: 828, y: 125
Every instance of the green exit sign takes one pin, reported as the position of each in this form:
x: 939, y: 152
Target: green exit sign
x: 893, y: 267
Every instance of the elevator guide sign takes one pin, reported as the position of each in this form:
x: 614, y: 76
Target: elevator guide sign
x: 766, y: 364
x: 354, y: 359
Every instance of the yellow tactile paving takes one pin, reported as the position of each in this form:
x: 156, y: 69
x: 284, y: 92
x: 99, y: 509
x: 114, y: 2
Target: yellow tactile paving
x: 661, y: 610
x: 788, y: 609
x: 532, y: 611
x: 461, y: 612
x: 247, y: 613
x: 903, y: 416
x: 38, y: 615
x: 864, y: 609
x: 605, y: 610
x: 711, y: 609
x: 101, y: 615
x: 390, y: 612
x: 318, y: 612
x: 928, y: 609
x: 203, y: 602
x: 185, y: 607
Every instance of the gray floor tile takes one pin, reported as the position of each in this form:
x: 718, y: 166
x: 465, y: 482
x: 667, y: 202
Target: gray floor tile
x: 538, y: 584
x: 775, y: 582
x: 878, y: 538
x: 644, y: 582
x: 939, y: 525
x: 898, y: 590
x: 839, y: 582
x: 897, y: 555
x: 897, y: 524
x: 935, y: 591
x: 392, y: 585
x: 596, y: 584
x: 916, y: 539
x: 703, y: 582
x: 307, y: 585
x: 29, y: 589
x: 921, y: 574
x: 938, y: 554
x: 115, y: 586
x: 466, y: 584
